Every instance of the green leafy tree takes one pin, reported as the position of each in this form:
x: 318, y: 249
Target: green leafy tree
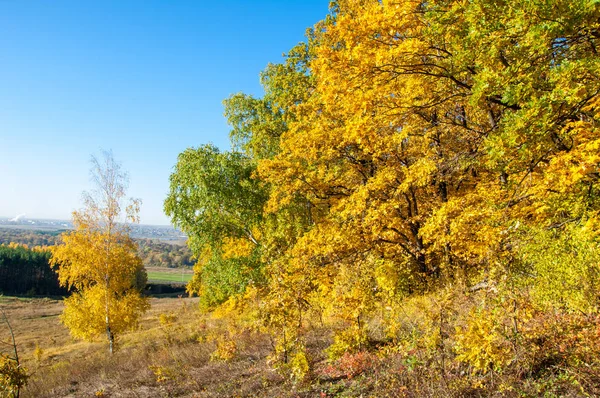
x: 216, y: 201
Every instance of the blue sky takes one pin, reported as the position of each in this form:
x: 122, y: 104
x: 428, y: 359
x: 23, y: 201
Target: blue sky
x: 143, y: 78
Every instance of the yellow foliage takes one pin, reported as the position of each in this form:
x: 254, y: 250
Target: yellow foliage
x: 12, y: 376
x: 565, y: 268
x: 482, y: 343
x: 226, y: 349
x: 299, y: 365
x: 413, y: 155
x: 85, y: 311
x: 194, y: 286
x: 98, y: 261
x: 236, y: 247
x: 38, y: 353
x: 162, y: 373
x: 348, y: 340
x: 88, y: 258
x: 167, y: 319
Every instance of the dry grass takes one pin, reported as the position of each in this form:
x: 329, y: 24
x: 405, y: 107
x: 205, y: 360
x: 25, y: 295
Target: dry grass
x: 172, y: 358
x: 36, y: 324
x: 155, y: 360
x: 58, y: 363
x: 166, y: 360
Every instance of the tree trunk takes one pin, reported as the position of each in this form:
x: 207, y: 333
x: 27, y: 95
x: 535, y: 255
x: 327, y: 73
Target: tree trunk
x: 110, y: 336
x: 109, y: 333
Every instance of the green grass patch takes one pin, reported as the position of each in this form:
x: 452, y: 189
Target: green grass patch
x: 158, y: 276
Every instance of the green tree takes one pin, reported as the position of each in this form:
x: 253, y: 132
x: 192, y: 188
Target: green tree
x: 216, y: 201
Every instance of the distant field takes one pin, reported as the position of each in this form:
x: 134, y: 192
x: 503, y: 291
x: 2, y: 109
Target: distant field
x: 158, y: 275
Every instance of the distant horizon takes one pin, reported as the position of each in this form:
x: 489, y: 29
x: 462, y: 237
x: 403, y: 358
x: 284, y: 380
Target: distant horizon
x: 69, y: 220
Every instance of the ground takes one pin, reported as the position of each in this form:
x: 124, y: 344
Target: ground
x: 173, y: 354
x: 171, y: 357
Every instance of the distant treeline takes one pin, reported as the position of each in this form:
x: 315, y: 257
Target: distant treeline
x: 153, y: 253
x: 29, y: 238
x: 156, y: 253
x: 26, y: 271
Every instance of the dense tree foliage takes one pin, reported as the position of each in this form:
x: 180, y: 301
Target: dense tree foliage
x: 153, y: 252
x: 27, y: 271
x: 442, y: 156
x: 29, y: 238
x: 215, y: 200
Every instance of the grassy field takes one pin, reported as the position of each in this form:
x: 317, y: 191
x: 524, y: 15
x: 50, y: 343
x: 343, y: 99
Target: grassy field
x: 169, y: 275
x: 178, y: 351
x: 167, y: 356
x: 172, y: 354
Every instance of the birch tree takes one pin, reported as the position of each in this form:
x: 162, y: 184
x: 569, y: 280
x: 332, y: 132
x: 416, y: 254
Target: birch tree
x: 99, y: 261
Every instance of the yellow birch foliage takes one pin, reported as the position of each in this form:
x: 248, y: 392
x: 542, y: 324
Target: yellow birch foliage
x: 98, y: 261
x: 105, y: 275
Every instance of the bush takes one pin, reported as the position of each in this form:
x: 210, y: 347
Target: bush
x: 13, y: 376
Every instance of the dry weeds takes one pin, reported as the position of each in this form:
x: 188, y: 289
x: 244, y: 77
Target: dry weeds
x: 172, y: 358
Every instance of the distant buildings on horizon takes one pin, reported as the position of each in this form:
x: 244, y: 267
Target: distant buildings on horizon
x: 161, y: 232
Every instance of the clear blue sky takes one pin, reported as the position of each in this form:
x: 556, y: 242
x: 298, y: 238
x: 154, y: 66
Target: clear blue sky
x: 143, y: 78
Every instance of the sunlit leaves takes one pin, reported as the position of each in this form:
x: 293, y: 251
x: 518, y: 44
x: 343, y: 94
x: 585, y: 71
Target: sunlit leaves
x: 98, y: 261
x: 407, y: 147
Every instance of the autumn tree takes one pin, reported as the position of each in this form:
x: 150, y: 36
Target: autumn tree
x: 259, y: 127
x: 411, y: 148
x: 99, y: 261
x: 431, y: 131
x: 217, y: 198
x: 257, y: 124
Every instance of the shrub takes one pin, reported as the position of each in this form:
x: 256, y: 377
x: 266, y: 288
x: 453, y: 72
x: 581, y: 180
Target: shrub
x: 13, y: 376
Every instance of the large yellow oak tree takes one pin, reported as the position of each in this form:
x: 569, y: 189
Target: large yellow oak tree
x: 414, y: 146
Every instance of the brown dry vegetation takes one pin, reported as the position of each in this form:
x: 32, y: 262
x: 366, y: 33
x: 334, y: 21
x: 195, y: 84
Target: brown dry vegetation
x: 172, y: 354
x: 168, y: 358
